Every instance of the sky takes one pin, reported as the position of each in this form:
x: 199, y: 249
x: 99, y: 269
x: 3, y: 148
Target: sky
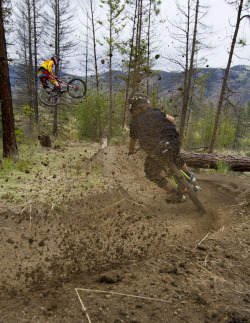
x: 222, y: 17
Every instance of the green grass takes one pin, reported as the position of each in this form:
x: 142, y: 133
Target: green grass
x: 48, y: 176
x: 223, y: 167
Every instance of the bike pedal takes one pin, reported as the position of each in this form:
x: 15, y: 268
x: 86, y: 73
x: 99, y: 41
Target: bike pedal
x: 197, y: 188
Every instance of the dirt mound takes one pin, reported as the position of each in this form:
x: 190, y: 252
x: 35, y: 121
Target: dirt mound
x: 131, y: 256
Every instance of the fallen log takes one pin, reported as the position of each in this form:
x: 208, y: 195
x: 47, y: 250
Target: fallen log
x: 203, y: 160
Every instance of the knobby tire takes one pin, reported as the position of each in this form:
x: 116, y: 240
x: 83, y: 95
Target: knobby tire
x: 45, y: 98
x: 80, y: 88
x: 183, y: 183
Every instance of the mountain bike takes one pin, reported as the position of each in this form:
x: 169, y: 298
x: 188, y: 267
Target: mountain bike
x: 183, y: 185
x: 76, y: 88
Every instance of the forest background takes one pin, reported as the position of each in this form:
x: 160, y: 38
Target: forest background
x: 118, y: 47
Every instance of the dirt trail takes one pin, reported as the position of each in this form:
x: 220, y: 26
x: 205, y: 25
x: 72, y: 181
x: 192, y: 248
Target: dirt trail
x: 123, y: 238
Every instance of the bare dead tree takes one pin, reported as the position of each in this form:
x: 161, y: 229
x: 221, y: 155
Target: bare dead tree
x: 139, y: 62
x: 56, y: 10
x: 137, y: 69
x: 93, y: 27
x: 187, y: 31
x: 35, y: 55
x: 61, y: 27
x: 30, y: 67
x: 87, y: 53
x: 28, y: 34
x: 148, y: 43
x: 115, y: 26
x: 131, y: 42
x: 224, y: 83
x: 189, y: 72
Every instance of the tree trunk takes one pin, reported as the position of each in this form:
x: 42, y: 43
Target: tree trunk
x: 137, y: 61
x: 35, y: 67
x: 186, y: 94
x: 110, y: 73
x: 94, y: 44
x: 87, y: 51
x: 129, y: 67
x: 236, y: 163
x: 148, y: 44
x: 223, y: 88
x: 9, y: 138
x: 57, y: 52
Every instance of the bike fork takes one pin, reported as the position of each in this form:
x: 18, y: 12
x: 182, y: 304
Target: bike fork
x: 195, y: 187
x: 176, y: 185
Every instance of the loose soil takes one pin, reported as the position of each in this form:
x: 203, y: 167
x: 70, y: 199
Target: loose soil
x: 120, y: 253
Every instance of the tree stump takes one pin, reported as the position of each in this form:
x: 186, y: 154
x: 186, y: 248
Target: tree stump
x: 44, y: 140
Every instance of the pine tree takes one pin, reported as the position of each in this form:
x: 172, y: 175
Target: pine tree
x: 115, y: 26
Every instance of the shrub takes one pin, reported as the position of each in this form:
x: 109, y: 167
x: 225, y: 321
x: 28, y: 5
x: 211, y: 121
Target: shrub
x: 92, y: 116
x: 95, y: 120
x: 223, y: 167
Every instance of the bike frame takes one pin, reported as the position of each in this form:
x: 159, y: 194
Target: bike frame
x: 63, y: 82
x: 180, y: 179
x: 181, y: 182
x: 75, y: 87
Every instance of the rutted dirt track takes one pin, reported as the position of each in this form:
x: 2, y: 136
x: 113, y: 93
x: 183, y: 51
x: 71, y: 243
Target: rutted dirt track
x: 121, y: 254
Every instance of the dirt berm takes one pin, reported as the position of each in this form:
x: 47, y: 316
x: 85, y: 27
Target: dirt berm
x: 121, y: 254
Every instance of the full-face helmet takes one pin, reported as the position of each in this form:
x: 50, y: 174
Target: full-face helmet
x: 56, y: 59
x: 137, y: 100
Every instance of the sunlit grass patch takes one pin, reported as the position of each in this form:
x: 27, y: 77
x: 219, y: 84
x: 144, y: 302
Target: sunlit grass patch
x: 223, y: 167
x: 49, y: 176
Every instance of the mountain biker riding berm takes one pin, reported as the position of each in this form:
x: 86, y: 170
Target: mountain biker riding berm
x: 45, y: 72
x: 158, y: 137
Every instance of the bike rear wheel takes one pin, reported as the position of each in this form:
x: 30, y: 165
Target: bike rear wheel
x: 49, y: 98
x: 76, y: 88
x: 183, y: 183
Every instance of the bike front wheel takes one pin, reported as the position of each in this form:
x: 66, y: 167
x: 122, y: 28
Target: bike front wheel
x: 76, y: 88
x: 183, y: 183
x: 49, y: 98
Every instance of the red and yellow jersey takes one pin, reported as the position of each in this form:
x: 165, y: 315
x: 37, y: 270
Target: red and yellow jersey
x: 48, y: 65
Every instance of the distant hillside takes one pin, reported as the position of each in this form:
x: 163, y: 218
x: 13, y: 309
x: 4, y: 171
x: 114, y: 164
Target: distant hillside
x: 238, y: 82
x: 166, y: 82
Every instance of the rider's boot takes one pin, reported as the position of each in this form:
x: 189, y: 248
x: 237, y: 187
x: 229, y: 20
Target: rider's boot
x: 175, y: 197
x: 46, y: 88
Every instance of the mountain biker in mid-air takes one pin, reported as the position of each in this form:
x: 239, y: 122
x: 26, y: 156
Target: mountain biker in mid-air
x: 45, y: 72
x: 158, y: 137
